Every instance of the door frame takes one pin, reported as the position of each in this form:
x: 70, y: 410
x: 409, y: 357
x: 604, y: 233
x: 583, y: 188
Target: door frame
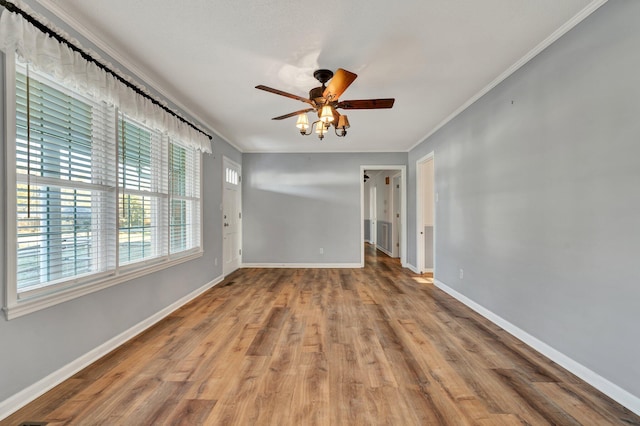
x: 395, y: 236
x: 373, y: 215
x: 228, y: 161
x: 420, y: 185
x: 403, y: 208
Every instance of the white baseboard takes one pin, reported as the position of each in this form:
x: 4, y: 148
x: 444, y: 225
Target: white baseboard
x: 610, y: 389
x: 411, y: 268
x: 415, y: 270
x: 388, y: 253
x: 302, y: 265
x: 22, y: 398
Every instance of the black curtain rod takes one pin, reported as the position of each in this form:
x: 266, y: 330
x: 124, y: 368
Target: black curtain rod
x: 39, y: 25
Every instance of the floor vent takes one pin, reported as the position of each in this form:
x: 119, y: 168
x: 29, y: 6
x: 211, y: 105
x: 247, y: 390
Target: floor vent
x: 33, y: 424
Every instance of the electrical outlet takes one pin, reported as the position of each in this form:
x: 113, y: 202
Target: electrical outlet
x: 461, y: 273
x: 321, y: 250
x: 215, y: 262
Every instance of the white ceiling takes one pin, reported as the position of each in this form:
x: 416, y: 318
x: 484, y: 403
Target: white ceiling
x: 434, y: 57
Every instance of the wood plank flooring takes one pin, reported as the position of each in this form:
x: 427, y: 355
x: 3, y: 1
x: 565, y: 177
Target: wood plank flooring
x: 378, y: 345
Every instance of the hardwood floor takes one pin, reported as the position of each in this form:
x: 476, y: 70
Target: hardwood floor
x: 378, y: 345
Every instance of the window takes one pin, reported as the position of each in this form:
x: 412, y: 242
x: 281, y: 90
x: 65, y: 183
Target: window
x: 142, y: 181
x: 64, y: 185
x: 232, y: 176
x: 185, y: 199
x: 97, y: 194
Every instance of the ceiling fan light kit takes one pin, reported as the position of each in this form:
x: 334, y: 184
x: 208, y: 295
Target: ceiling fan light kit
x: 324, y: 101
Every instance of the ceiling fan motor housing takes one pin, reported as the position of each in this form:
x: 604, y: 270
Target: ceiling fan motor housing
x: 323, y: 75
x: 316, y: 94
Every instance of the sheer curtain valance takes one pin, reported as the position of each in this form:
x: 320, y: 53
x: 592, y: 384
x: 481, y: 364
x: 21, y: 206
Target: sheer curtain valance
x: 48, y: 55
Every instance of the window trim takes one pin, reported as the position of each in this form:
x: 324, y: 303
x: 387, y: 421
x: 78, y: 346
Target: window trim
x: 41, y: 298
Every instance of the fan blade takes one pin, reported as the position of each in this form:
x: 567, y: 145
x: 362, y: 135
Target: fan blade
x: 302, y: 111
x: 285, y: 94
x: 366, y: 104
x: 338, y: 84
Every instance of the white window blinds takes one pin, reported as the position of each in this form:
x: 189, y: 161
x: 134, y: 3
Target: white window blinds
x: 65, y: 184
x: 143, y: 199
x: 185, y: 198
x: 98, y: 195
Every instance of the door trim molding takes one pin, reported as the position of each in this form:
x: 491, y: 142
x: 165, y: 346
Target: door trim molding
x: 420, y: 268
x: 403, y: 207
x: 228, y: 162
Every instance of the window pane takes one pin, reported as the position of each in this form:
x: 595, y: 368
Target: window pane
x: 135, y: 221
x: 94, y: 189
x: 142, y: 176
x: 64, y: 192
x: 185, y: 199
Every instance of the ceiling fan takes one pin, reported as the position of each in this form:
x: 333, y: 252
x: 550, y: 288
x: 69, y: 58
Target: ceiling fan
x: 324, y: 101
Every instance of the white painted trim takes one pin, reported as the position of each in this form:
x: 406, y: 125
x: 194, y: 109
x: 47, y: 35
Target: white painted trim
x: 17, y: 308
x: 411, y: 268
x: 22, y: 398
x: 229, y: 163
x: 385, y: 251
x: 566, y: 27
x: 11, y: 239
x: 610, y: 389
x: 403, y: 209
x: 419, y: 212
x: 302, y: 265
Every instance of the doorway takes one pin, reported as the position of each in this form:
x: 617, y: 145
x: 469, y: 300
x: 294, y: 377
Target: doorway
x: 372, y: 215
x: 396, y: 207
x: 388, y: 231
x: 426, y: 198
x: 231, y: 217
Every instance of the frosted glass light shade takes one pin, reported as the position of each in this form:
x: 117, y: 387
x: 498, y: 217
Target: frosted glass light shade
x: 326, y: 115
x: 303, y: 122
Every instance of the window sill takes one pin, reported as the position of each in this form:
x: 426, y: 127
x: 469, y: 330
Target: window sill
x: 26, y: 306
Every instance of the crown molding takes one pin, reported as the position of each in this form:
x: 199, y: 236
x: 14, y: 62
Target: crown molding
x: 565, y: 28
x: 126, y: 62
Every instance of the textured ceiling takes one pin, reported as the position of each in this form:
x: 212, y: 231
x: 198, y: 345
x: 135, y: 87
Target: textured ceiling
x: 433, y: 56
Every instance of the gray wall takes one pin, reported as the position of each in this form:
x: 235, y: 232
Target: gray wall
x: 295, y: 204
x: 539, y: 197
x: 37, y: 344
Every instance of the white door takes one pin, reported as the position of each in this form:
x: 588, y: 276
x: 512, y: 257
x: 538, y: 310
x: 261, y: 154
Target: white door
x: 425, y: 214
x: 397, y: 221
x: 231, y: 217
